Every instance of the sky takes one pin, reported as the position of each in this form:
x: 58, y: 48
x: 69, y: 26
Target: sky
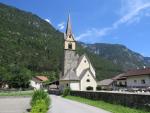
x: 124, y: 22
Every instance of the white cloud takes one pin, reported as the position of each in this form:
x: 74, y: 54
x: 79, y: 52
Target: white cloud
x: 61, y: 26
x: 94, y: 33
x: 47, y: 20
x: 131, y: 12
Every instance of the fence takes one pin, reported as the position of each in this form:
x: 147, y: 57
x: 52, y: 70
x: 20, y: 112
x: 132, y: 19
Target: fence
x: 130, y: 100
x: 55, y: 92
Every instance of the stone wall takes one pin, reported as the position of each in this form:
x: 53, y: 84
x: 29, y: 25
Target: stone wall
x: 70, y: 60
x: 140, y: 101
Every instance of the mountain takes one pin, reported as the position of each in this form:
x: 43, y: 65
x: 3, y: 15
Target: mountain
x: 28, y: 42
x: 147, y: 59
x: 119, y: 55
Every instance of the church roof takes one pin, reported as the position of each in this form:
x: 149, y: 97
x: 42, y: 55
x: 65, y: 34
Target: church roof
x: 69, y: 28
x: 83, y: 73
x: 71, y: 75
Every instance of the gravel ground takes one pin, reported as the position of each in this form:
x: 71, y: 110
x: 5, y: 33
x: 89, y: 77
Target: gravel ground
x: 14, y: 104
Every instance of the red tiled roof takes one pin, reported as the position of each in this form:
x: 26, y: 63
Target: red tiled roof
x: 42, y: 78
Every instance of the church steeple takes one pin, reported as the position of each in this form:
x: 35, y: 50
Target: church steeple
x: 69, y: 43
x: 69, y: 28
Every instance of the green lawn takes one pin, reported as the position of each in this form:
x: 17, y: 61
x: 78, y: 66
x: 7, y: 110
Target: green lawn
x: 106, y: 106
x: 17, y: 93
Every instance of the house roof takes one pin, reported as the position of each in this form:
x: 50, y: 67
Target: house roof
x: 42, y: 78
x: 119, y: 77
x: 138, y: 72
x: 36, y: 80
x: 105, y: 82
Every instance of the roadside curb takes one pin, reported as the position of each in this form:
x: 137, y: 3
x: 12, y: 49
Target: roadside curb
x: 15, y: 97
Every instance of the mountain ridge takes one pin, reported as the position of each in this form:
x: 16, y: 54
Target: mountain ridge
x: 27, y: 41
x: 116, y: 52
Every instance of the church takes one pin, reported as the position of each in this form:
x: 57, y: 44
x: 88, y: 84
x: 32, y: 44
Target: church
x: 78, y: 73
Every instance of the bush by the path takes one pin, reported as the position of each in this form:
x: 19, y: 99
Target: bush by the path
x: 40, y: 102
x: 66, y: 92
x: 39, y: 107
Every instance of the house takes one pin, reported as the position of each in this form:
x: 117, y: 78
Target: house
x: 120, y: 80
x: 106, y: 84
x: 53, y: 85
x: 139, y: 78
x: 37, y: 82
x: 78, y: 72
x: 3, y: 85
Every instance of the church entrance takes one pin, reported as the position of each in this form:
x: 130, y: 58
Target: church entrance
x: 89, y: 88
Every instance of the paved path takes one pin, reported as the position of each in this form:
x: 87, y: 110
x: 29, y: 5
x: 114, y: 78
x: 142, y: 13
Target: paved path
x: 14, y: 104
x: 61, y: 105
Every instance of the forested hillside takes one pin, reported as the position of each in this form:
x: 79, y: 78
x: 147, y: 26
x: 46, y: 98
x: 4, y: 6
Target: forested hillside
x: 30, y: 46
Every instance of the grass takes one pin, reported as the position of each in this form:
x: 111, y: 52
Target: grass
x: 17, y: 93
x: 106, y: 106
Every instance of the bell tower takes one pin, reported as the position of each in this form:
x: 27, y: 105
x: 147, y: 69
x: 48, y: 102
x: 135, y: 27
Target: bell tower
x: 70, y: 56
x: 69, y: 42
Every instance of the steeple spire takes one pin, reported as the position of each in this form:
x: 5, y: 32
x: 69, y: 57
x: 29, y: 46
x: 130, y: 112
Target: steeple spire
x: 69, y: 28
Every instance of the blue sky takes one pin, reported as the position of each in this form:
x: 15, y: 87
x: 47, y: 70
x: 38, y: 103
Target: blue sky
x: 124, y: 22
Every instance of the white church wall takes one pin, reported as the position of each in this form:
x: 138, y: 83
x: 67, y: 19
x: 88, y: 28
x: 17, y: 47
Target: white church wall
x: 75, y: 86
x: 84, y: 64
x: 85, y: 83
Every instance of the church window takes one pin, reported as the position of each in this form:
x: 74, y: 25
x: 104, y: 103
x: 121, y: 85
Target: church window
x: 69, y: 36
x: 89, y: 88
x: 84, y: 61
x: 70, y: 46
x: 88, y: 80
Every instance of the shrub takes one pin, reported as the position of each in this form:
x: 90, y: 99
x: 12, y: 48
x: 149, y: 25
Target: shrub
x: 66, y: 92
x: 39, y: 107
x: 40, y: 95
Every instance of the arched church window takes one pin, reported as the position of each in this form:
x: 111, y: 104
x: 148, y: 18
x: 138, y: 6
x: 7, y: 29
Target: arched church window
x: 70, y: 46
x: 88, y: 80
x: 69, y: 36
